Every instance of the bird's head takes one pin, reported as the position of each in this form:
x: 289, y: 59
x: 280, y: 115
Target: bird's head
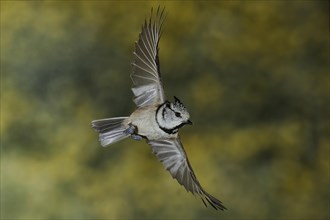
x: 173, y: 115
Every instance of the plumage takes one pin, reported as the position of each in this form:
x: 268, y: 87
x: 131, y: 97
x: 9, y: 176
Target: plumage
x: 155, y: 119
x: 174, y: 158
x: 148, y: 89
x: 111, y: 130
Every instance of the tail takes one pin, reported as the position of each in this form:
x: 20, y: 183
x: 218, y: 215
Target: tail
x: 111, y: 130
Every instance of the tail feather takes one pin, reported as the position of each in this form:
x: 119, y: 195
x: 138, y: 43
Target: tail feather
x: 111, y: 130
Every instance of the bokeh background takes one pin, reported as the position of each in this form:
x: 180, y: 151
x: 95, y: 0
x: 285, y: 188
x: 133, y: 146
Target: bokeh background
x: 254, y: 76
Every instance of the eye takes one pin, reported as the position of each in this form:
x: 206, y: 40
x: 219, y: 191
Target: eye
x: 177, y: 114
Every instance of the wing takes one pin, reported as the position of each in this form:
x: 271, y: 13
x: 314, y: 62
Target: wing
x: 147, y: 86
x: 173, y: 156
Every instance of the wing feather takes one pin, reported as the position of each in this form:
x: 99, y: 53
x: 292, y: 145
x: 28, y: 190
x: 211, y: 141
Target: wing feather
x: 172, y: 155
x: 146, y: 70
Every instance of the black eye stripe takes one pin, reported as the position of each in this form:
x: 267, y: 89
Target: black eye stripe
x: 170, y: 108
x: 177, y: 114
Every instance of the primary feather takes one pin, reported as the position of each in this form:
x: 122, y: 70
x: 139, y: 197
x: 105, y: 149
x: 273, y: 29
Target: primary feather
x: 148, y: 89
x: 174, y: 158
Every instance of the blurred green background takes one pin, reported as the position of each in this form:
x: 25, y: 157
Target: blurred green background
x: 254, y: 76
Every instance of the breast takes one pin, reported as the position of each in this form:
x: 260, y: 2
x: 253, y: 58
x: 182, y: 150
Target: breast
x: 145, y: 121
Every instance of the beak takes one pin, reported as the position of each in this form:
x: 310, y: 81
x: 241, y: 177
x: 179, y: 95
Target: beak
x: 189, y: 122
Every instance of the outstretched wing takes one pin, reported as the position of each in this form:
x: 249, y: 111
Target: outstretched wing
x: 173, y: 156
x: 147, y: 87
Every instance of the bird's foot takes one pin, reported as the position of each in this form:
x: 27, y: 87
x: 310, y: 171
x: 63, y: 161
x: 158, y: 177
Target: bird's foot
x: 131, y: 130
x: 136, y: 137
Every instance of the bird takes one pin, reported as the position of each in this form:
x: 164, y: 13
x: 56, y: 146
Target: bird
x: 155, y: 119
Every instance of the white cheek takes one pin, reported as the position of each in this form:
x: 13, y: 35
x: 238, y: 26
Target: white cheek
x: 172, y: 122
